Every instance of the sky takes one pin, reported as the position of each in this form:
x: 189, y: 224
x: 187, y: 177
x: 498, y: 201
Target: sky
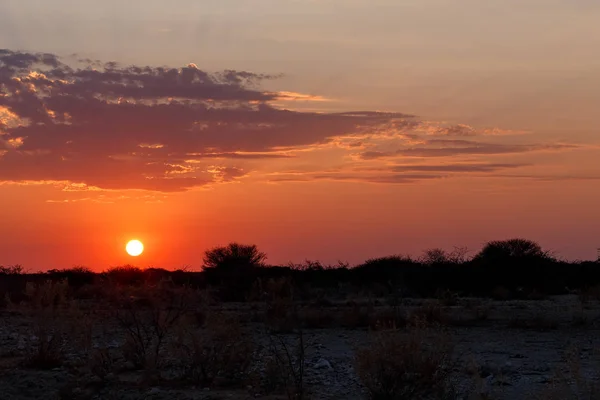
x: 332, y: 130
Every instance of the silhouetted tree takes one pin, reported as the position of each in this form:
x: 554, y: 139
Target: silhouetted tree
x: 233, y: 268
x: 233, y: 256
x: 511, y: 249
x: 435, y: 256
x: 514, y: 264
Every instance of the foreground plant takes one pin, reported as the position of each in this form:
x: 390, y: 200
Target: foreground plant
x: 147, y: 317
x: 286, y: 363
x: 219, y: 354
x: 46, y: 303
x: 406, y: 365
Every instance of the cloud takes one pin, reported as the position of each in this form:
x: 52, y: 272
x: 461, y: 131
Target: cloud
x: 294, y: 96
x: 433, y: 128
x: 476, y: 148
x: 456, y: 168
x: 353, y: 177
x: 450, y: 148
x: 89, y: 124
x: 395, y: 174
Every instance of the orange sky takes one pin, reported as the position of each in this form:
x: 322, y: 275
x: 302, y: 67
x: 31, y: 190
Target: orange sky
x: 474, y: 124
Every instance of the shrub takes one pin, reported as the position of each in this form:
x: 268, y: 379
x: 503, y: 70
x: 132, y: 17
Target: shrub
x: 101, y: 362
x: 220, y: 354
x: 400, y: 366
x: 501, y: 250
x: 46, y: 304
x: 147, y: 318
x: 435, y: 256
x: 127, y: 275
x: 232, y: 268
x: 233, y: 256
x: 11, y: 269
x: 429, y: 313
x: 76, y: 276
x: 286, y: 363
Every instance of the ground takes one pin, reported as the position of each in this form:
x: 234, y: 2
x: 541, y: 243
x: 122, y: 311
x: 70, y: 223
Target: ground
x: 517, y: 349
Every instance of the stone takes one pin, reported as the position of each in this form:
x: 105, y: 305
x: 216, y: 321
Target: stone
x: 323, y: 364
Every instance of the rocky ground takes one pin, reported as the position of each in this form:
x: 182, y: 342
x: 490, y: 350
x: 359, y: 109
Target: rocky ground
x: 509, y: 350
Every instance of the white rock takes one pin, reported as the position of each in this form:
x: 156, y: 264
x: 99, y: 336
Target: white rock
x: 323, y: 364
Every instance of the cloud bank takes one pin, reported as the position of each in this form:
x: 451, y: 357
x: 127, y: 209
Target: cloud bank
x: 106, y: 126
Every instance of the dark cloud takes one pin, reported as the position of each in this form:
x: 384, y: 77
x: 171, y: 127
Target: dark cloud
x: 147, y: 127
x: 170, y: 129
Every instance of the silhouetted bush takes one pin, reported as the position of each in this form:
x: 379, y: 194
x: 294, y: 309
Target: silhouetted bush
x: 11, y: 269
x: 125, y: 275
x: 506, y: 250
x: 233, y: 256
x: 232, y: 268
x: 515, y: 268
x: 76, y: 276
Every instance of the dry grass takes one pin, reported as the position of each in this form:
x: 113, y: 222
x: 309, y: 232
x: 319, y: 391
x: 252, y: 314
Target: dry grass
x: 147, y: 317
x: 46, y: 305
x: 286, y: 364
x: 220, y: 354
x: 411, y: 365
x: 430, y: 312
x: 573, y: 383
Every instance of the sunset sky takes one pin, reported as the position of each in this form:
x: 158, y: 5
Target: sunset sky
x: 316, y: 129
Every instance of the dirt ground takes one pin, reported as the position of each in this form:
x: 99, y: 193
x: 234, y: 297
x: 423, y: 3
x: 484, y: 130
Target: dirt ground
x: 514, y: 350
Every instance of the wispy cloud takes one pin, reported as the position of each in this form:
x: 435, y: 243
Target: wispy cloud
x: 394, y: 173
x: 450, y: 148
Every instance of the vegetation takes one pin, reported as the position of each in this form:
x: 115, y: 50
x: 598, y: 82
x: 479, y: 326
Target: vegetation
x: 414, y: 365
x: 515, y: 268
x: 233, y: 256
x: 180, y: 329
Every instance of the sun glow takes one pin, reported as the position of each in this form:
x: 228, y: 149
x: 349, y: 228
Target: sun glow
x: 134, y: 248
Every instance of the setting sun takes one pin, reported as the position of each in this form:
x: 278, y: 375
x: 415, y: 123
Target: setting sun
x: 134, y: 248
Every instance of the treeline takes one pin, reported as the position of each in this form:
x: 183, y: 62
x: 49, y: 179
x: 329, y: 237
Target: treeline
x: 515, y: 268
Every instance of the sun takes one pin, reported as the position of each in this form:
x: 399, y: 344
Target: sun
x: 134, y: 248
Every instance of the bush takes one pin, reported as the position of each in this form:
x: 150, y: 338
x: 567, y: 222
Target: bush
x: 286, y: 364
x: 126, y: 275
x: 233, y: 256
x: 76, y: 277
x: 46, y: 304
x: 218, y: 355
x: 232, y: 267
x: 502, y: 250
x: 399, y: 366
x: 147, y: 316
x: 11, y: 270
